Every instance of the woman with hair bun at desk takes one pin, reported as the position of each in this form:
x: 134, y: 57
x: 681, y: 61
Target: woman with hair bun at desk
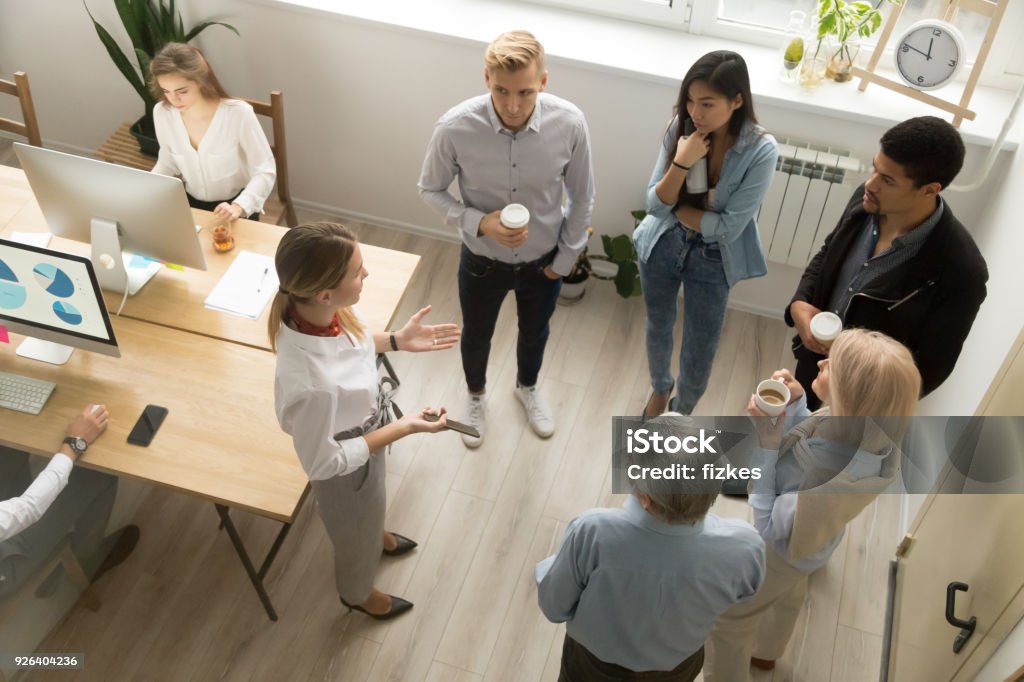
x: 212, y: 142
x: 329, y: 399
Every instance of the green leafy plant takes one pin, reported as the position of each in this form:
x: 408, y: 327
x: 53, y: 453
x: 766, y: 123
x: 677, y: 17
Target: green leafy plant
x: 620, y: 251
x: 848, y: 20
x: 150, y: 24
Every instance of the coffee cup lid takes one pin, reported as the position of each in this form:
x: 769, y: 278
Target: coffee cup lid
x: 515, y: 215
x: 826, y: 326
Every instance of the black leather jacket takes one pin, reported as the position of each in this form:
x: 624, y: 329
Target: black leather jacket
x: 928, y: 304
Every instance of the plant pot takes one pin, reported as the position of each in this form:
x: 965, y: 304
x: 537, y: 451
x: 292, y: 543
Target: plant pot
x: 840, y: 65
x: 572, y: 293
x: 147, y: 143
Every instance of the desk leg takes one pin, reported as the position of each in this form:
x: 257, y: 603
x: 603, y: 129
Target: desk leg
x: 382, y: 359
x: 285, y: 527
x: 254, y: 577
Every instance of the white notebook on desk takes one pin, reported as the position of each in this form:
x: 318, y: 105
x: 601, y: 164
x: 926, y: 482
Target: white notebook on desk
x: 247, y: 286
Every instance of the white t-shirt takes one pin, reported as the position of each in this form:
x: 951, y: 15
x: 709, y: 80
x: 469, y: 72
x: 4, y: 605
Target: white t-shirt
x: 324, y: 386
x: 233, y: 155
x: 18, y: 513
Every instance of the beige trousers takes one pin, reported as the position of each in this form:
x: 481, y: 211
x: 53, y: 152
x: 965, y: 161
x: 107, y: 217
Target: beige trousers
x: 760, y: 626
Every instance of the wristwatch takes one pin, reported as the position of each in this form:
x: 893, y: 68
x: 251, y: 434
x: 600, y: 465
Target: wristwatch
x: 77, y: 444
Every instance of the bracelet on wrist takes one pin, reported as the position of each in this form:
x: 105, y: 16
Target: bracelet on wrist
x: 679, y: 165
x: 394, y: 341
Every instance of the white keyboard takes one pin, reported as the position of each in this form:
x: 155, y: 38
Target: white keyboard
x: 24, y: 394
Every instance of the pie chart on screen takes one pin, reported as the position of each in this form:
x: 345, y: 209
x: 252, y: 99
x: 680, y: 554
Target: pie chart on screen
x: 54, y: 280
x: 12, y: 294
x: 67, y: 312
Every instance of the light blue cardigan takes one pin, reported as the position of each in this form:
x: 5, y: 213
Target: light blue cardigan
x: 747, y: 172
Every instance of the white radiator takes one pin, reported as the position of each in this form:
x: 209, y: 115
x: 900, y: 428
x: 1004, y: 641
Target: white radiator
x: 810, y: 190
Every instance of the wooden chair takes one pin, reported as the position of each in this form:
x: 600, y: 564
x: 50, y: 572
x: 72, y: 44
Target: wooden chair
x: 278, y: 209
x: 30, y: 127
x: 62, y: 556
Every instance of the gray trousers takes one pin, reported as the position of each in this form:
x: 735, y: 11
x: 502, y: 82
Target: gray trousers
x: 82, y: 510
x: 352, y: 509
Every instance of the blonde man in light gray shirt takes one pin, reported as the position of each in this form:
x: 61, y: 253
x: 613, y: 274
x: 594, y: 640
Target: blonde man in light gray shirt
x: 514, y: 145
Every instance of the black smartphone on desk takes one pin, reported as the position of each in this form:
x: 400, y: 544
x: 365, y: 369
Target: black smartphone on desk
x: 145, y: 428
x: 454, y: 425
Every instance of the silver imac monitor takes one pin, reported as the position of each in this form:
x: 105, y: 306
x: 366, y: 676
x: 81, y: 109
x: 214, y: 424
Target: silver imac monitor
x: 54, y: 299
x: 124, y: 213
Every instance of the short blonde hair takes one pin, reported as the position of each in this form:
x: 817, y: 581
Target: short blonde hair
x: 514, y: 50
x: 872, y: 375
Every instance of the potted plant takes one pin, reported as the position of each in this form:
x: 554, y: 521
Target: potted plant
x: 620, y: 257
x: 843, y: 24
x: 574, y: 285
x: 150, y: 24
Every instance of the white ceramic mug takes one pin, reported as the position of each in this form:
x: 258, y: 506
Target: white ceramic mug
x: 772, y: 396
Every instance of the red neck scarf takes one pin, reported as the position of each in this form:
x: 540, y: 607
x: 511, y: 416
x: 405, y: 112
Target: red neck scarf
x: 307, y: 327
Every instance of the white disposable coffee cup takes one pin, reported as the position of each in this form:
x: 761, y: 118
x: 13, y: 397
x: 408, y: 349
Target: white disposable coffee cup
x: 825, y: 327
x: 772, y: 396
x: 515, y: 216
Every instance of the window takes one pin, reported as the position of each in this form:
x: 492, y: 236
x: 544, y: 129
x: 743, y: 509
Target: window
x: 761, y: 22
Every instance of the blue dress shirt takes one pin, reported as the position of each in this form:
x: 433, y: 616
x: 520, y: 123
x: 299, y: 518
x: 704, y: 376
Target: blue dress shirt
x: 644, y: 594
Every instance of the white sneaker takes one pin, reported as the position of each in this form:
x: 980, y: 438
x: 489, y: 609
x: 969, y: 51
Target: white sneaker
x: 538, y: 413
x: 475, y: 415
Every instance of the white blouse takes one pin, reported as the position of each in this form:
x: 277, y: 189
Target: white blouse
x: 233, y: 155
x: 324, y: 386
x: 18, y: 513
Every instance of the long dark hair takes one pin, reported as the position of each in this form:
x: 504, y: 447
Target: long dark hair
x: 725, y: 72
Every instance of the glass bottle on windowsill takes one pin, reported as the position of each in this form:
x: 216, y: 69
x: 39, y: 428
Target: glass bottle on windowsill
x: 793, y: 45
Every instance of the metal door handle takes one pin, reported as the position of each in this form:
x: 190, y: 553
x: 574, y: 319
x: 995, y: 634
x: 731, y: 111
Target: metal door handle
x: 966, y: 626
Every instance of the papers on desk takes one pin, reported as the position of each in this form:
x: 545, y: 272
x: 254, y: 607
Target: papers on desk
x: 40, y: 239
x: 247, y: 286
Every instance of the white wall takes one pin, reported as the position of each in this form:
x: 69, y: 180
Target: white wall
x: 362, y: 98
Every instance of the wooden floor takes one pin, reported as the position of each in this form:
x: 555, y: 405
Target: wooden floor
x: 181, y: 607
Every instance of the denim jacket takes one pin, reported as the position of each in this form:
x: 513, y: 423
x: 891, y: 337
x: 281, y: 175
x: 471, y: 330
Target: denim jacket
x: 747, y: 171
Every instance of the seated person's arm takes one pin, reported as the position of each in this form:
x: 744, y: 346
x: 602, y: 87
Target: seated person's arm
x: 262, y: 170
x: 18, y: 513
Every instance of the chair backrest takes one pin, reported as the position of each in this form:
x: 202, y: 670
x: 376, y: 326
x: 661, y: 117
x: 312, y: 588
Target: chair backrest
x: 30, y: 127
x: 275, y: 111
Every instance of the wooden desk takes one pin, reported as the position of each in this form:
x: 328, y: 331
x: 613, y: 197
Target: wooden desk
x: 175, y: 299
x: 210, y: 369
x: 217, y: 442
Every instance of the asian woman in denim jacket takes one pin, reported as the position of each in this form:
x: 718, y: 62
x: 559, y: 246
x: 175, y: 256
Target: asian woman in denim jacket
x: 706, y: 240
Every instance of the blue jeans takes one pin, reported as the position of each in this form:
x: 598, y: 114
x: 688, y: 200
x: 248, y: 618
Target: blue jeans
x: 483, y: 285
x: 682, y: 257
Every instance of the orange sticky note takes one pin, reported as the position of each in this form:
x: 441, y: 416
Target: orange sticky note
x: 3, y: 335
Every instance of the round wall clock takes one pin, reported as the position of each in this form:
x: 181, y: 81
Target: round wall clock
x: 929, y: 54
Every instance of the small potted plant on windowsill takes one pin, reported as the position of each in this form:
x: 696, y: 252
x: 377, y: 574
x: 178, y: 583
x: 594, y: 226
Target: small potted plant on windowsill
x: 841, y: 25
x: 150, y: 24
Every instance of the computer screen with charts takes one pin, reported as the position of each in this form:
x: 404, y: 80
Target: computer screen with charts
x: 117, y: 210
x: 53, y: 298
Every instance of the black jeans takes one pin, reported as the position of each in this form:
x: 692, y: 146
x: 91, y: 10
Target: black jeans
x: 579, y: 665
x: 483, y: 285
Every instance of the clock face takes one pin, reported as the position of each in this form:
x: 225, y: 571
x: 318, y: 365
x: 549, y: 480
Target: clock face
x: 929, y: 55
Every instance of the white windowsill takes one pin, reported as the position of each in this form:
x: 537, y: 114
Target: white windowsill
x: 659, y: 55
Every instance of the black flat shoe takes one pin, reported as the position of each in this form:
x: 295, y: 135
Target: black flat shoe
x: 404, y: 545
x: 668, y: 406
x: 398, y: 607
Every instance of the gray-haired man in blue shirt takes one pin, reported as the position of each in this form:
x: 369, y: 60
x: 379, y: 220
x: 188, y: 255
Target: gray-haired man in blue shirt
x: 640, y: 587
x: 515, y: 145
